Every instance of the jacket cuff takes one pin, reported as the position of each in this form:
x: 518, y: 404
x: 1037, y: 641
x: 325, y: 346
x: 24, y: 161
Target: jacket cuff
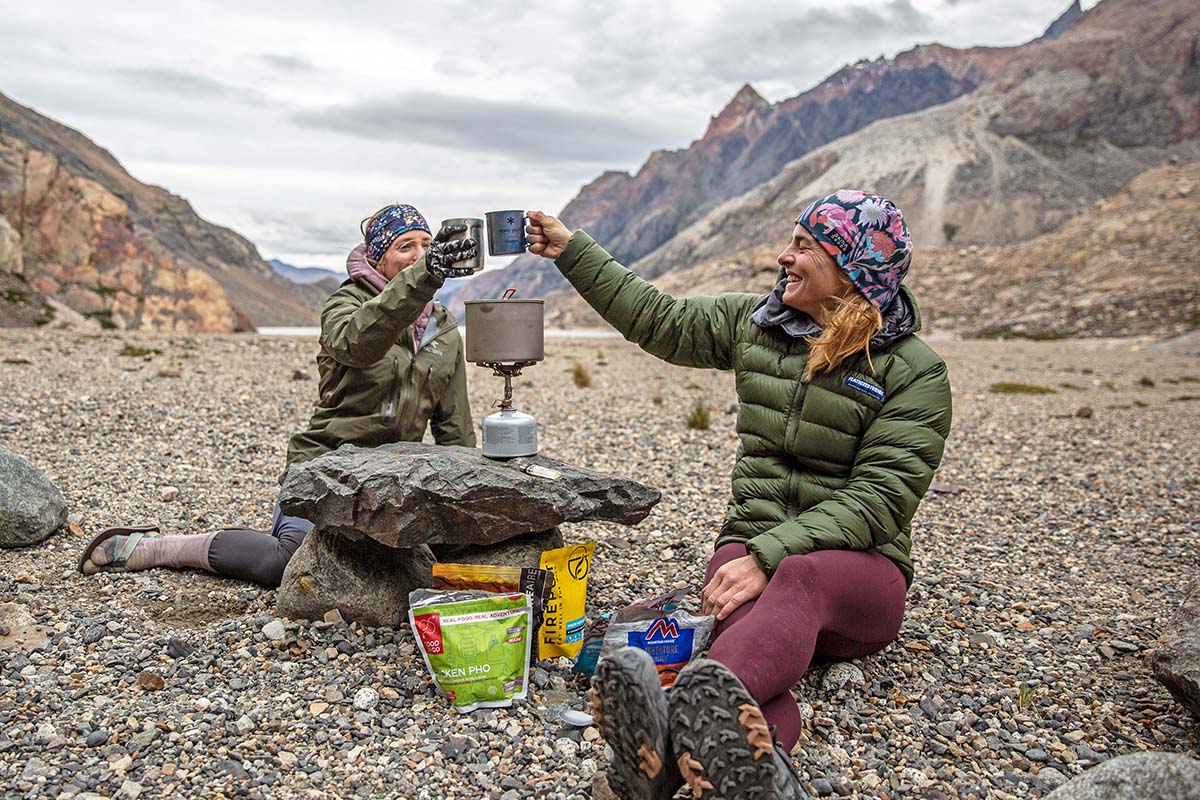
x: 424, y: 279
x: 576, y: 246
x: 767, y: 551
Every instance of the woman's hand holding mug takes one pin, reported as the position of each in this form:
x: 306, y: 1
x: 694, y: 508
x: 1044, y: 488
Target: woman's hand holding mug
x: 546, y: 234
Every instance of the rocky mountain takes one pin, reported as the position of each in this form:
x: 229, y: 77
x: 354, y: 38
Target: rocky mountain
x: 314, y: 284
x: 79, y: 230
x: 745, y: 144
x: 1064, y: 123
x: 1121, y: 267
x: 1064, y: 21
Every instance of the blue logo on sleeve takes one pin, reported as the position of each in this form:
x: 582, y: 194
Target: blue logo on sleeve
x: 866, y: 387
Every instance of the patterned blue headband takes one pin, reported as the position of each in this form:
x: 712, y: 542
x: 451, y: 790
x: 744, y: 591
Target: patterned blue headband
x: 390, y: 223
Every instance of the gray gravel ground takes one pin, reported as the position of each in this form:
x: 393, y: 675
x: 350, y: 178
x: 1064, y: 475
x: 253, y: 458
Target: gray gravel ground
x: 1021, y: 662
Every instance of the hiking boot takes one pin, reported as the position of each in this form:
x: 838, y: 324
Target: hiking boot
x: 630, y: 708
x: 723, y: 745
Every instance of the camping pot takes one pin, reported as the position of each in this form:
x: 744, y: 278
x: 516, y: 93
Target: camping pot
x: 505, y: 330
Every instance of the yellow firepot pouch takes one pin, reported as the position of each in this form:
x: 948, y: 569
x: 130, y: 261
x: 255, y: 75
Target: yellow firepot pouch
x: 563, y: 620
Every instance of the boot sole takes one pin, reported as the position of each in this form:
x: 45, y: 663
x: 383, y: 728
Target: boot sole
x: 721, y: 739
x: 630, y: 708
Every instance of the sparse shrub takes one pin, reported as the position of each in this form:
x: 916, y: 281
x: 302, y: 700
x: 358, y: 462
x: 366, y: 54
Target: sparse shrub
x: 1026, y: 697
x: 657, y: 399
x: 138, y: 352
x: 15, y: 296
x: 581, y: 375
x: 698, y: 419
x: 1020, y: 388
x: 949, y: 229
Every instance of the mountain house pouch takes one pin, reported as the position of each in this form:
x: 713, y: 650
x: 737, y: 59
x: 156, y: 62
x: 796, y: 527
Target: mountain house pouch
x: 647, y: 608
x: 475, y: 644
x: 562, y: 625
x: 672, y: 640
x: 498, y: 579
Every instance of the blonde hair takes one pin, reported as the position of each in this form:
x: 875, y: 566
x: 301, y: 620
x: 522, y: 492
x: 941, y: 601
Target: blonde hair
x: 847, y: 329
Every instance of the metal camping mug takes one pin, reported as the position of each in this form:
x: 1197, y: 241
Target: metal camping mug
x: 474, y: 231
x: 506, y: 233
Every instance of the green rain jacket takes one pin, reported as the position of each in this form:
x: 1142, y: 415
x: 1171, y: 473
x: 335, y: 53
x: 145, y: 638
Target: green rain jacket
x: 839, y: 462
x: 374, y: 389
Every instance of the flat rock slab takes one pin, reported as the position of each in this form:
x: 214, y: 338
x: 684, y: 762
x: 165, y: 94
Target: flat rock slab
x: 31, y: 507
x: 410, y: 494
x: 1175, y: 661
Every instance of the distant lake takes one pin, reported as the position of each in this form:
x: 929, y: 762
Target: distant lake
x: 551, y: 333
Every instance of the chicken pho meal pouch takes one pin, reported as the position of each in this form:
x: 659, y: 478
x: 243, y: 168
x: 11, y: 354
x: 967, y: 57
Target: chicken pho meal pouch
x: 562, y: 624
x: 498, y: 579
x: 671, y: 640
x: 475, y: 644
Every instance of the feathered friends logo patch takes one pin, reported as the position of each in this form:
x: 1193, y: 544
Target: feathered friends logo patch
x: 866, y: 387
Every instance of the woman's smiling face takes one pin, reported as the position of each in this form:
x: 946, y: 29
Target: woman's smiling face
x: 403, y: 253
x: 814, y: 278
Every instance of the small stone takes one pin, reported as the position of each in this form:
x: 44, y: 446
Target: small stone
x: 130, y: 789
x: 317, y: 709
x: 299, y: 375
x: 334, y: 616
x: 842, y: 674
x: 234, y: 768
x: 287, y: 759
x: 178, y: 648
x: 366, y: 698
x: 822, y: 787
x: 244, y: 724
x: 96, y: 738
x: 168, y: 493
x: 274, y: 630
x: 1036, y: 754
x: 150, y: 681
x: 1084, y: 412
x: 93, y: 634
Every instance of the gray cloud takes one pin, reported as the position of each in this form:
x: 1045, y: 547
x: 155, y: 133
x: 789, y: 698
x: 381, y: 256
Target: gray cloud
x: 521, y: 130
x: 290, y: 63
x: 177, y: 82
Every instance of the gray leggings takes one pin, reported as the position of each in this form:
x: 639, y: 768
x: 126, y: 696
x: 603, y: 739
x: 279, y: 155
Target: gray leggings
x: 255, y: 555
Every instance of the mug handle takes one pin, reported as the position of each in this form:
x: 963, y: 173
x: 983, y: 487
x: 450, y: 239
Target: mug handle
x: 508, y: 293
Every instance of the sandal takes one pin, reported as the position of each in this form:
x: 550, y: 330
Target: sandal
x: 120, y: 558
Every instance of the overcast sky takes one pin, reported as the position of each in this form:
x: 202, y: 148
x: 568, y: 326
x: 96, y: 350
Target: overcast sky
x: 289, y: 122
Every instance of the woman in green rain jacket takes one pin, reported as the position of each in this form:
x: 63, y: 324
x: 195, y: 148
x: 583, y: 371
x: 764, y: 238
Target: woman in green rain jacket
x: 843, y: 415
x: 391, y: 364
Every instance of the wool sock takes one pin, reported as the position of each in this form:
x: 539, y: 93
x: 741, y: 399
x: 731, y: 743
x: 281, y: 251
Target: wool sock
x: 177, y: 552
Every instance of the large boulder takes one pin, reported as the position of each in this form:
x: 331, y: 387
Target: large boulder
x: 1175, y: 660
x: 31, y: 507
x: 366, y: 581
x: 409, y: 494
x: 1136, y: 776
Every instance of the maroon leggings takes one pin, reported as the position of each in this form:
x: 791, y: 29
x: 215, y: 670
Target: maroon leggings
x: 838, y: 604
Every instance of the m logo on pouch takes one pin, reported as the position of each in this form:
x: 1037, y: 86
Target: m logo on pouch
x: 663, y: 628
x: 866, y: 387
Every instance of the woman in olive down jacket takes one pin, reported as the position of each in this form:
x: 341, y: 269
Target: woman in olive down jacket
x: 391, y: 363
x: 843, y: 415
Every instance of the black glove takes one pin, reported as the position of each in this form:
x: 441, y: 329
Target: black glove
x: 442, y: 254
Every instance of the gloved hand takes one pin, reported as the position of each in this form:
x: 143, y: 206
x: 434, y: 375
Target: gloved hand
x: 442, y: 254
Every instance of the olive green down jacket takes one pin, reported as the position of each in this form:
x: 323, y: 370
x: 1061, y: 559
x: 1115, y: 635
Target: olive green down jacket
x: 840, y: 462
x: 373, y: 388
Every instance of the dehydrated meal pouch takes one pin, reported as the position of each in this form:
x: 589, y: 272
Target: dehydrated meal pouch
x: 475, y: 644
x: 506, y: 580
x: 562, y: 625
x: 672, y: 641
